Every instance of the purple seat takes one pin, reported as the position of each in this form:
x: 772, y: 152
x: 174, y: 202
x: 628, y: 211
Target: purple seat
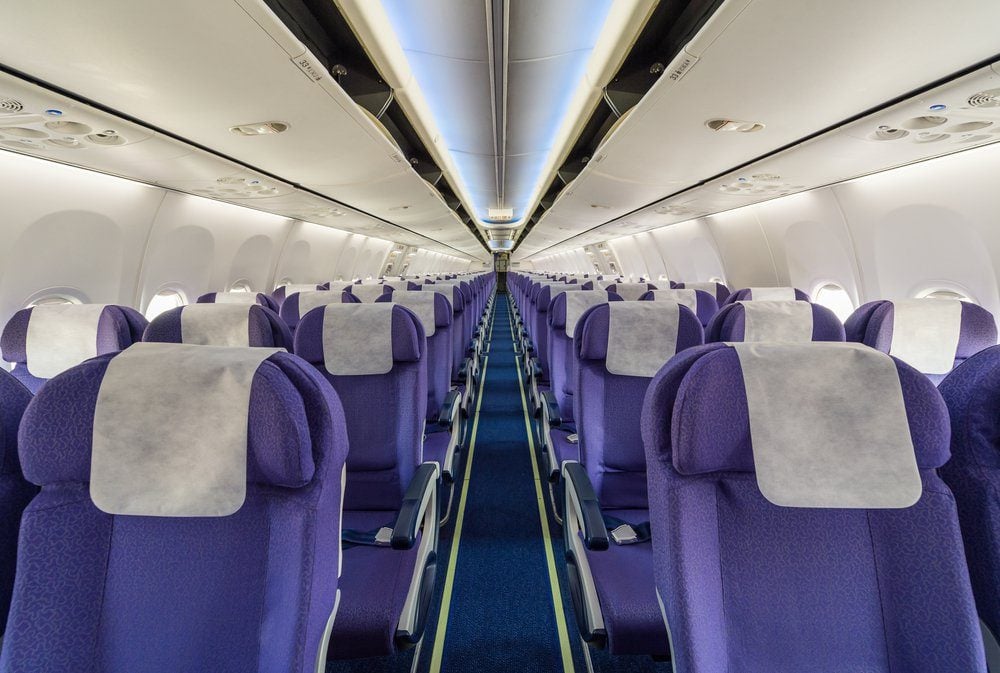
x: 380, y: 375
x: 618, y: 346
x: 756, y: 587
x: 730, y: 323
x: 258, y: 298
x: 253, y: 591
x: 873, y: 324
x: 291, y: 314
x: 779, y: 293
x: 717, y: 290
x: 463, y: 369
x: 630, y: 291
x: 284, y: 291
x: 705, y: 306
x: 118, y: 327
x: 972, y: 393
x: 368, y: 292
x: 263, y: 326
x: 15, y: 491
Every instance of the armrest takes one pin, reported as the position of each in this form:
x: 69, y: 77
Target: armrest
x: 449, y: 408
x: 536, y: 369
x: 411, y: 514
x: 552, y: 408
x: 588, y: 509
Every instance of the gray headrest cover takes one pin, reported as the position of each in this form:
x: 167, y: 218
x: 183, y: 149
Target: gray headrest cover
x: 642, y: 336
x: 687, y: 298
x: 577, y: 304
x: 316, y: 298
x: 299, y: 287
x: 357, y: 339
x: 710, y: 288
x: 235, y: 297
x: 421, y: 303
x: 925, y: 333
x: 772, y: 294
x: 61, y: 336
x: 215, y: 325
x: 143, y: 466
x: 828, y: 426
x: 397, y: 284
x: 788, y: 321
x: 631, y: 291
x: 367, y: 293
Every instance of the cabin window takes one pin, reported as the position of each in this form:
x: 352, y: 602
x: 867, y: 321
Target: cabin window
x: 716, y: 279
x: 241, y: 286
x: 164, y: 300
x: 835, y: 298
x: 944, y: 294
x: 49, y: 299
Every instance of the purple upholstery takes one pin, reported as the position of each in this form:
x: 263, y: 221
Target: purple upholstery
x: 15, y: 491
x: 721, y: 291
x: 747, y: 295
x: 261, y: 298
x: 265, y: 328
x: 705, y: 303
x: 439, y: 354
x: 118, y: 328
x: 972, y: 393
x: 729, y: 324
x: 248, y: 592
x: 871, y: 324
x: 385, y: 423
x: 458, y: 344
x: 750, y: 586
x: 290, y: 308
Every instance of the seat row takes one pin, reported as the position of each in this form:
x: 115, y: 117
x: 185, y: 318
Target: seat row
x: 774, y: 499
x: 205, y: 500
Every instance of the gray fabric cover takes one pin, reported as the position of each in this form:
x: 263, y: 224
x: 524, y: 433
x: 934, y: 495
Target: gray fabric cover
x: 642, y: 336
x: 925, y: 333
x: 216, y: 325
x: 61, y: 336
x: 421, y: 303
x: 577, y: 304
x: 193, y: 467
x: 397, y: 284
x: 235, y: 297
x: 684, y: 297
x: 357, y: 339
x: 772, y: 294
x: 316, y: 298
x: 828, y: 426
x: 299, y: 287
x: 367, y: 293
x: 705, y: 287
x: 788, y: 321
x: 631, y: 291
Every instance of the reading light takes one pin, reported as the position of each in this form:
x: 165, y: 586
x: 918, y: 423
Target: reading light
x: 260, y: 128
x: 734, y: 125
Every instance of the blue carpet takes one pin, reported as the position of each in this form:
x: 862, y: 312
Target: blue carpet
x: 501, y: 615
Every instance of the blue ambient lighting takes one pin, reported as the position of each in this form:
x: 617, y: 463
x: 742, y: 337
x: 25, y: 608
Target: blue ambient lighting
x: 937, y: 107
x: 52, y: 112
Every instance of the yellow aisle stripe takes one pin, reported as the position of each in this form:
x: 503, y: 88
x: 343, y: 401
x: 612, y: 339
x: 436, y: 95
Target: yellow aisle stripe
x: 557, y: 604
x: 449, y: 580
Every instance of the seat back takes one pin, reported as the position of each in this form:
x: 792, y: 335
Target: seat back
x: 435, y: 314
x: 702, y: 303
x: 456, y: 298
x: 239, y: 298
x: 630, y: 291
x: 43, y: 341
x: 368, y: 293
x: 220, y: 325
x: 766, y: 294
x: 542, y: 302
x: 282, y: 292
x: 619, y: 346
x: 972, y: 393
x: 298, y: 304
x: 15, y: 491
x: 717, y: 290
x: 933, y: 335
x: 841, y: 585
x: 253, y: 590
x: 774, y: 321
x: 375, y: 355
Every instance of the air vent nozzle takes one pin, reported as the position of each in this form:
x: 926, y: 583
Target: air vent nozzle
x: 988, y: 98
x: 10, y: 105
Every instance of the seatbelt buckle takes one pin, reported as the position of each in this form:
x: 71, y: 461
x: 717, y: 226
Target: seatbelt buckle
x: 383, y: 537
x: 624, y: 534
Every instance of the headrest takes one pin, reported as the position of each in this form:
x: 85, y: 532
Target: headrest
x: 767, y: 294
x: 788, y: 321
x: 238, y: 298
x: 636, y: 338
x: 54, y: 337
x: 567, y: 308
x: 548, y: 292
x: 929, y: 334
x: 286, y: 401
x: 827, y: 405
x: 396, y: 284
x: 14, y: 398
x: 453, y: 293
x: 339, y: 331
x: 368, y: 293
x: 433, y: 309
x: 297, y: 305
x: 702, y: 303
x: 630, y: 291
x: 220, y: 325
